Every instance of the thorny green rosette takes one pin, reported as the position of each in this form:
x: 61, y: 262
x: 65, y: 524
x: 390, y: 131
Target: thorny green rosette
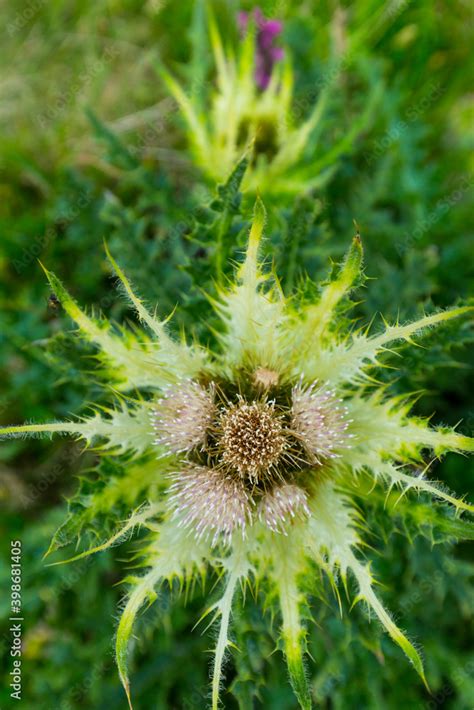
x: 255, y: 447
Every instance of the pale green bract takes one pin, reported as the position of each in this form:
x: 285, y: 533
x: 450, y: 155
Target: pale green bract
x: 237, y: 118
x: 266, y: 342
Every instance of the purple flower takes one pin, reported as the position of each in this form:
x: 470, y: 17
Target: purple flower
x: 267, y: 54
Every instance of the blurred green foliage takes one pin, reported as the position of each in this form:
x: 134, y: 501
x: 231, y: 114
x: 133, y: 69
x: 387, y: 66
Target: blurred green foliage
x: 92, y: 149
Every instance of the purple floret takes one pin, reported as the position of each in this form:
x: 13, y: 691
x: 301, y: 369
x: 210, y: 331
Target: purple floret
x: 266, y: 54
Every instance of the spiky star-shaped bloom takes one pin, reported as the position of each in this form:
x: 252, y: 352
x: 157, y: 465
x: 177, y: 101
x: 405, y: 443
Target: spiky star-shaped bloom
x: 260, y: 118
x: 255, y: 447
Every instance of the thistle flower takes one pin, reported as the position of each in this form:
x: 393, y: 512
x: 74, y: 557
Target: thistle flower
x: 251, y: 110
x: 258, y: 447
x: 206, y: 501
x: 253, y: 438
x: 278, y: 507
x: 182, y: 416
x: 321, y: 420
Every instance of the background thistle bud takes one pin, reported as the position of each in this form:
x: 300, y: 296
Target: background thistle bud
x: 262, y: 121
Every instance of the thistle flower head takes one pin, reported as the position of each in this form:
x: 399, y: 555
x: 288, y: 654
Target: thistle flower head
x: 181, y: 417
x: 209, y: 502
x: 280, y: 505
x: 246, y: 461
x: 253, y: 438
x: 321, y: 420
x: 254, y: 452
x: 251, y: 111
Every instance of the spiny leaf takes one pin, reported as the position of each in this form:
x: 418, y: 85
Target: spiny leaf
x: 137, y: 518
x: 229, y: 194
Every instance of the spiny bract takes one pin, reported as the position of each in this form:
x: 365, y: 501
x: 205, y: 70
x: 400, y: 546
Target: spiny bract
x: 238, y: 116
x: 255, y: 445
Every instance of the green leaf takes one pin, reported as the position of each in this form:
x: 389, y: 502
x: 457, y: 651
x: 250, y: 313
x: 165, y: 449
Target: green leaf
x: 117, y: 151
x: 229, y: 196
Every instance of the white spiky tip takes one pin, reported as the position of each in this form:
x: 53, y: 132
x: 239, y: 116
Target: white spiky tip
x: 214, y: 504
x: 182, y: 416
x: 265, y: 378
x: 320, y: 420
x: 281, y: 505
x: 209, y: 502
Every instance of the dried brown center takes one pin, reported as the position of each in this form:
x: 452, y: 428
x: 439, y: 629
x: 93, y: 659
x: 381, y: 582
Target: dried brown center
x: 252, y: 438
